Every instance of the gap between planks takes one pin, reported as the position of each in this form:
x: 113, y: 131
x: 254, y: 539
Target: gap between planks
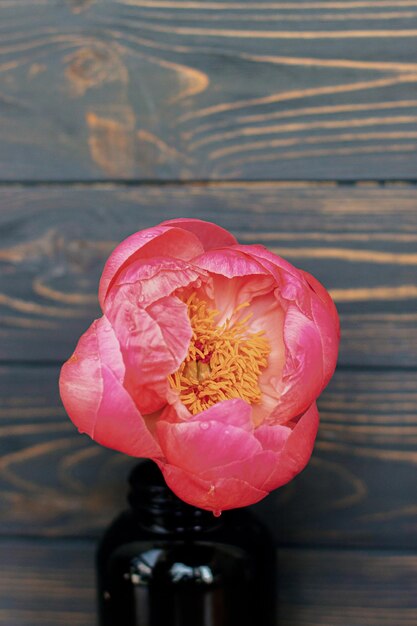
x: 253, y: 183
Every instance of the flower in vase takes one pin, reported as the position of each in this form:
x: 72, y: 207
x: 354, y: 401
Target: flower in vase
x: 208, y: 359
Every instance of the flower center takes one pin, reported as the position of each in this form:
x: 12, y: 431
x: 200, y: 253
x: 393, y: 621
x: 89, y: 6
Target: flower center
x: 223, y: 362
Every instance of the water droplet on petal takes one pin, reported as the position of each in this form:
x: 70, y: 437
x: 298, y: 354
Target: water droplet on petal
x: 95, y: 358
x: 107, y: 329
x: 132, y: 328
x: 204, y: 425
x: 140, y: 299
x: 217, y: 513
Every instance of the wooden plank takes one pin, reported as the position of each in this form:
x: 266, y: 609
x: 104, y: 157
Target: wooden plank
x: 52, y: 584
x: 360, y: 242
x: 46, y: 583
x: 172, y: 89
x: 358, y: 490
x: 345, y: 588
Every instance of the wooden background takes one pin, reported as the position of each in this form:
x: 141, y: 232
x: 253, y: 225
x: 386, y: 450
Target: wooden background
x: 292, y: 123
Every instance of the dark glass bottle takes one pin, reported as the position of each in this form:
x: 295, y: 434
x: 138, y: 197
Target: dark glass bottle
x: 166, y: 563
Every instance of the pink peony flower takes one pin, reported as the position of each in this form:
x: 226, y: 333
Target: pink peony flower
x: 208, y: 359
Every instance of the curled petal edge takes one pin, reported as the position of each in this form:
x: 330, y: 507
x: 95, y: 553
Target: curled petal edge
x: 211, y: 235
x: 297, y: 450
x: 152, y: 242
x: 92, y: 392
x: 226, y: 493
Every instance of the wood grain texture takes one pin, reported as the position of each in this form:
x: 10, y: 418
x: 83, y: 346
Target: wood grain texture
x: 360, y: 242
x: 330, y: 588
x: 52, y: 584
x: 358, y: 490
x: 176, y: 89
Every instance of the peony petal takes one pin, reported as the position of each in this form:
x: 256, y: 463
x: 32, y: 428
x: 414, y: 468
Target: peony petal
x: 325, y: 297
x: 273, y: 437
x: 235, y: 412
x: 229, y: 293
x: 148, y: 398
x: 229, y: 262
x: 152, y: 242
x: 153, y: 279
x: 327, y: 320
x: 175, y: 410
x: 154, y: 340
x: 198, y: 446
x: 119, y: 424
x: 309, y: 366
x: 211, y: 235
x: 290, y: 281
x: 268, y: 259
x: 256, y: 470
x: 268, y: 317
x: 240, y: 483
x: 223, y: 494
x: 297, y: 448
x: 330, y: 334
x: 303, y: 375
x: 128, y: 305
x: 95, y: 399
x: 81, y: 383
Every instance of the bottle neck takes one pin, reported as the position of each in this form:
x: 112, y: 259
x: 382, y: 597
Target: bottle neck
x: 159, y: 510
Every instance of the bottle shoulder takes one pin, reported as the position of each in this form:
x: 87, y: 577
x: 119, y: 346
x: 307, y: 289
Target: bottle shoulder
x: 236, y: 526
x: 179, y: 563
x: 237, y: 530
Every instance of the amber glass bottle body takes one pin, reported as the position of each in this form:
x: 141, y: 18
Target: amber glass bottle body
x: 165, y: 563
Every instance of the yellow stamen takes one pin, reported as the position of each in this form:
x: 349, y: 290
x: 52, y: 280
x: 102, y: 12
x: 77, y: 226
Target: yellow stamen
x: 223, y: 362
